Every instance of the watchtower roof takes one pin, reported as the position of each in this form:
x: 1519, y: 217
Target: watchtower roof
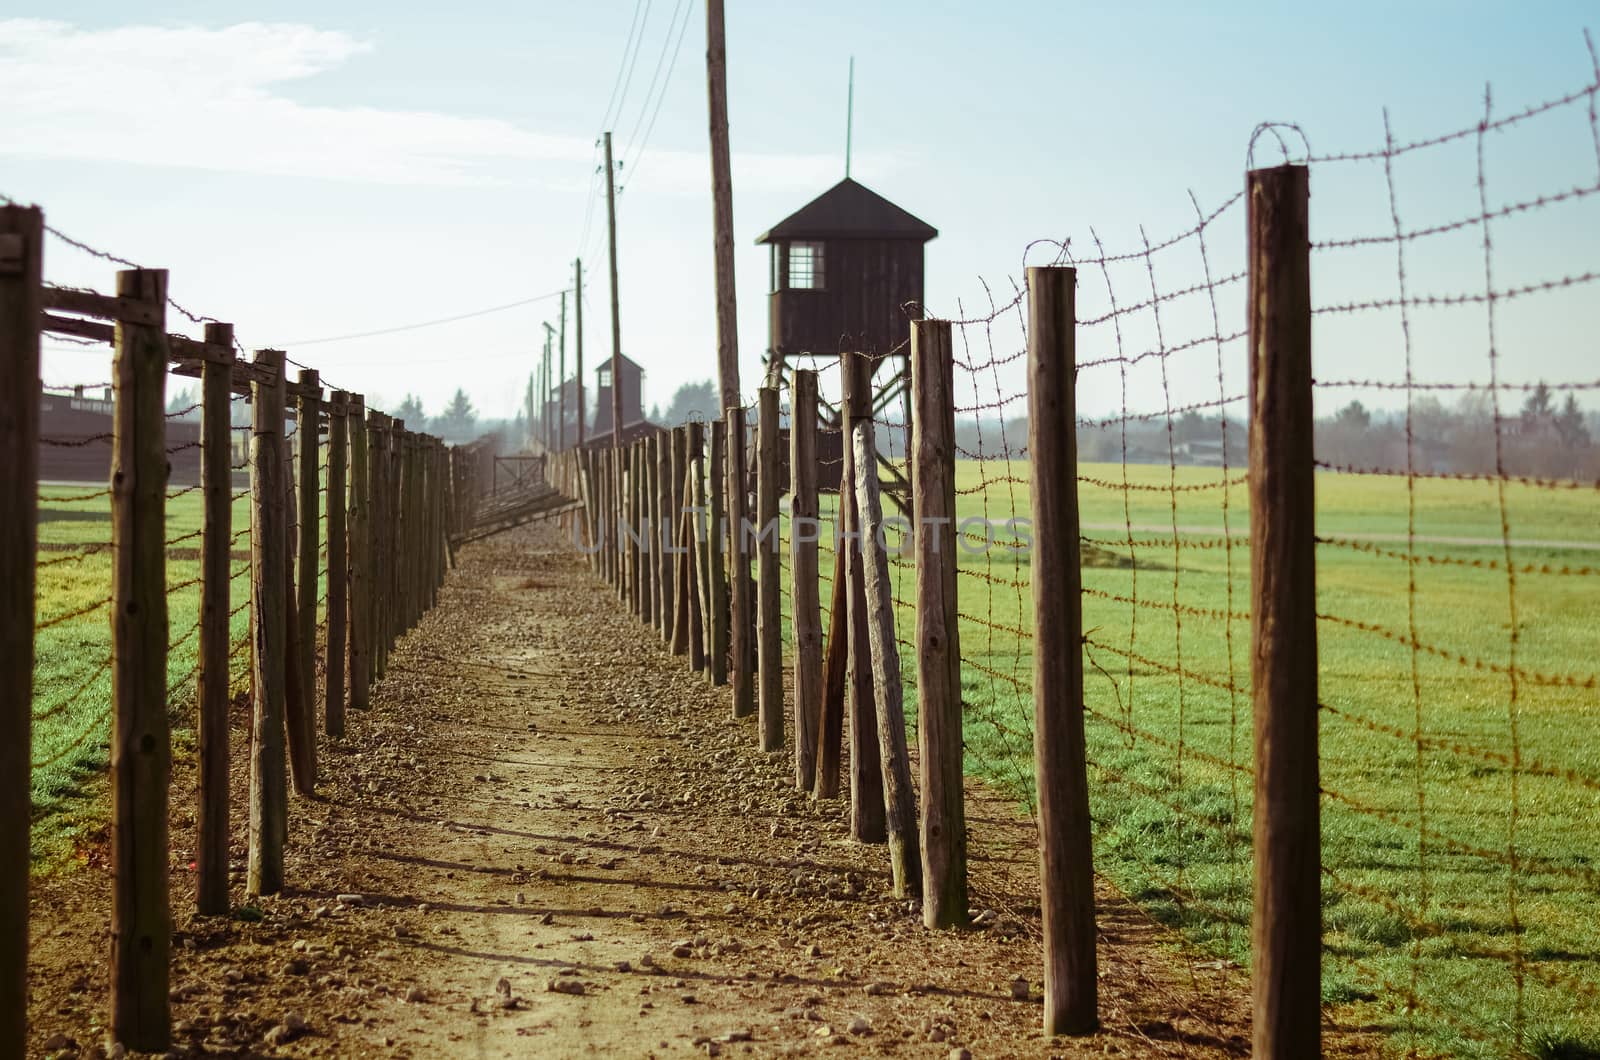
x: 849, y: 210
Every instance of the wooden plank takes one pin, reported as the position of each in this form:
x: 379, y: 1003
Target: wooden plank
x: 716, y: 560
x: 1066, y: 857
x: 141, y: 744
x: 338, y: 566
x: 1286, y: 920
x: 216, y: 579
x: 867, y: 823
x: 360, y: 532
x: 938, y: 643
x: 21, y: 269
x: 769, y: 601
x: 122, y: 308
x: 900, y: 798
x: 804, y: 597
x: 741, y: 617
x: 82, y: 329
x: 269, y: 564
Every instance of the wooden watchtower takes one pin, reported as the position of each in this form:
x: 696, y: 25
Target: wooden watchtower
x: 847, y: 277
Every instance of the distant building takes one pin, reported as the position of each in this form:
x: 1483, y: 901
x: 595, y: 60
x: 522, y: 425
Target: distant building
x: 846, y: 274
x: 634, y: 424
x: 75, y: 432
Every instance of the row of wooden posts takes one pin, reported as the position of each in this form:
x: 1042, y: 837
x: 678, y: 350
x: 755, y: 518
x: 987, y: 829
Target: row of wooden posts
x: 698, y: 594
x: 392, y: 499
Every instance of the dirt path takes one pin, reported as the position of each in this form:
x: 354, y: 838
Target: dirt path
x: 547, y: 838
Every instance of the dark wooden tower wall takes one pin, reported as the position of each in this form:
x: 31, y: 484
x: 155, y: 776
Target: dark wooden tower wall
x: 863, y: 305
x: 632, y: 395
x: 847, y: 274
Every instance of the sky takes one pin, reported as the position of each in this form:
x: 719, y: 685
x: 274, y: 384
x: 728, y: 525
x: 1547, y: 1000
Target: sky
x: 311, y: 172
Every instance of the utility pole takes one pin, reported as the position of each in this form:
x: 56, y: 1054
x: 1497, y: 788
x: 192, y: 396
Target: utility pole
x: 549, y: 427
x: 577, y: 268
x: 561, y: 383
x: 722, y: 206
x: 536, y: 429
x: 616, y: 312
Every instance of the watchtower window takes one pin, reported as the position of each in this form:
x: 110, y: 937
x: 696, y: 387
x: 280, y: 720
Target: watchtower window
x: 806, y: 267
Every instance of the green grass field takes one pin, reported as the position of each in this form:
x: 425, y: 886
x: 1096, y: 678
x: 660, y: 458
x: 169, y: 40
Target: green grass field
x: 72, y: 676
x: 1428, y: 928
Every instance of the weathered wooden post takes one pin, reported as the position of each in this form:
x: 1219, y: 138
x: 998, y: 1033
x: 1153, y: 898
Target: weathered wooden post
x: 141, y: 745
x: 804, y: 531
x: 1286, y: 922
x: 652, y: 507
x: 380, y: 527
x: 1066, y: 857
x: 338, y: 564
x: 661, y: 535
x: 360, y: 528
x: 679, y: 626
x: 638, y: 550
x: 716, y: 561
x: 866, y: 771
x: 933, y: 493
x: 211, y: 686
x: 742, y: 616
x: 21, y: 274
x: 830, y: 726
x: 269, y: 566
x: 900, y: 798
x: 695, y: 498
x: 309, y: 410
x: 769, y: 633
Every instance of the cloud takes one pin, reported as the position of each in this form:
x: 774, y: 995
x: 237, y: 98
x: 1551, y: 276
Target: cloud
x: 212, y: 99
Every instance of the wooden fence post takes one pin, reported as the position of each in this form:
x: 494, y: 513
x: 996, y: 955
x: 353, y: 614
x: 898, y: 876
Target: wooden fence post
x: 742, y: 616
x: 1066, y: 857
x: 360, y: 529
x: 938, y: 645
x: 1286, y: 924
x: 662, y: 535
x: 269, y: 565
x: 866, y: 772
x: 769, y: 633
x: 309, y: 409
x: 652, y: 505
x: 804, y: 594
x: 900, y: 798
x: 695, y: 497
x: 679, y: 626
x: 836, y: 657
x: 338, y: 564
x: 216, y: 580
x: 716, y: 561
x: 141, y: 745
x: 639, y: 502
x: 21, y: 274
x: 380, y: 526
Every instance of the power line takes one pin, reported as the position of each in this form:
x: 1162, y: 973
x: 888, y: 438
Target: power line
x: 633, y: 27
x: 424, y: 323
x: 682, y: 31
x: 655, y: 79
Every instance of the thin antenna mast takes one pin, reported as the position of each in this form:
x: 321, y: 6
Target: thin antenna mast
x: 849, y: 118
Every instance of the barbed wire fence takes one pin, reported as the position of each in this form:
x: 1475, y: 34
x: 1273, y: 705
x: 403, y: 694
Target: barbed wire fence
x: 1446, y: 760
x: 170, y: 594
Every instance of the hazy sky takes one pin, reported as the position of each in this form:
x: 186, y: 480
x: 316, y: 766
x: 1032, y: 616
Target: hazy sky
x: 308, y: 172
